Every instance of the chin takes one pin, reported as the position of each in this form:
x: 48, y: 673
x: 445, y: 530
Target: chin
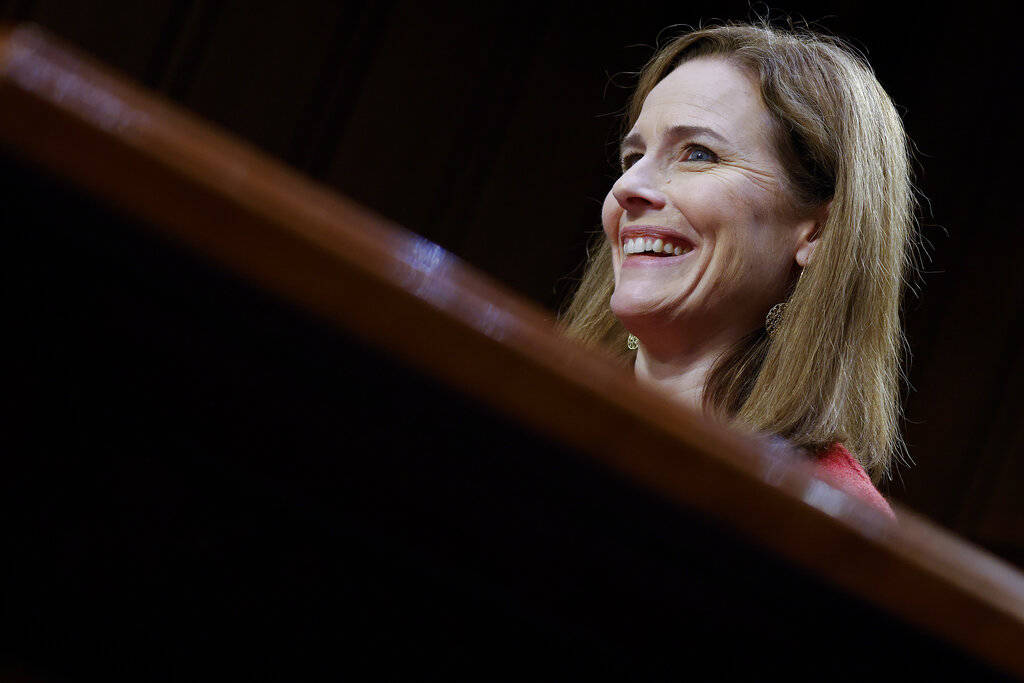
x: 625, y: 305
x: 629, y: 305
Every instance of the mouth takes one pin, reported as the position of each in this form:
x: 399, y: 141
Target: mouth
x: 651, y: 243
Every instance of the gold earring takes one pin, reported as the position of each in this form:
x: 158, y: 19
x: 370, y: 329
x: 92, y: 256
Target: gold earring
x: 774, y: 318
x: 632, y: 343
x: 777, y: 312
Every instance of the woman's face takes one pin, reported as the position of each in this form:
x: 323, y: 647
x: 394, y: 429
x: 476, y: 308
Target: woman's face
x: 701, y: 173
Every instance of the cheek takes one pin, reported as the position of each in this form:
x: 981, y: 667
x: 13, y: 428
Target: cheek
x: 740, y: 223
x: 709, y: 202
x: 756, y: 256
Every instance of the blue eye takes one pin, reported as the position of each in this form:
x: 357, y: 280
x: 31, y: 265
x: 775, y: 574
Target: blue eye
x: 697, y: 153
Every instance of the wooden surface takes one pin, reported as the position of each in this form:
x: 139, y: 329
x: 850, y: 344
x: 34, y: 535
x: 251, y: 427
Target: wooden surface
x: 408, y: 296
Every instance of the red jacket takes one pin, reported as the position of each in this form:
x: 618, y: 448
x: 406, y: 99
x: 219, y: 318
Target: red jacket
x: 839, y: 468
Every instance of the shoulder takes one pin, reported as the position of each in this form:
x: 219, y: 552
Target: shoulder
x: 837, y: 465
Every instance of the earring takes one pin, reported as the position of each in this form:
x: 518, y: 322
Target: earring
x: 632, y: 343
x: 777, y: 312
x: 774, y: 318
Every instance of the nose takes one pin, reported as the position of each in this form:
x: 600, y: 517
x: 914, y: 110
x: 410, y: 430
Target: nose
x: 636, y: 189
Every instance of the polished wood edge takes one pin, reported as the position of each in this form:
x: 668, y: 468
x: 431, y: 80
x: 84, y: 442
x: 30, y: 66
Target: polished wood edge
x: 398, y: 291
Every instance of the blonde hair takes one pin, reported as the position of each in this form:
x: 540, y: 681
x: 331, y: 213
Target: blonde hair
x: 832, y: 369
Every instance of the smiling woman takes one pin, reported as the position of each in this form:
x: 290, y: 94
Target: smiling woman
x: 757, y: 243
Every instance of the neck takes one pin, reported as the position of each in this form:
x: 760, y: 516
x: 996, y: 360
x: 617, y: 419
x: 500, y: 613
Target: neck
x: 681, y: 375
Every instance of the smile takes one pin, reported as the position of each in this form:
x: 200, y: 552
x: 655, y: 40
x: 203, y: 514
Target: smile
x: 653, y: 246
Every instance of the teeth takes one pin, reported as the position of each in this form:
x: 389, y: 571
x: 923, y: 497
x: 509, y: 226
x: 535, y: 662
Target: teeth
x: 654, y: 245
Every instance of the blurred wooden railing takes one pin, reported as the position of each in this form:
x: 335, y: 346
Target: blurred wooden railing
x: 225, y: 203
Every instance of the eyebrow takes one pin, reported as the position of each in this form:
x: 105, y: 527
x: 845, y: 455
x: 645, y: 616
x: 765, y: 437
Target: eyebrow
x: 675, y: 132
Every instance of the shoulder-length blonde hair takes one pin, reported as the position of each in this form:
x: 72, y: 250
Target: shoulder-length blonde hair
x: 832, y: 369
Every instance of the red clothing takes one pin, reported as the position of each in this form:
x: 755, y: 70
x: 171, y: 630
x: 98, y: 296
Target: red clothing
x: 838, y: 467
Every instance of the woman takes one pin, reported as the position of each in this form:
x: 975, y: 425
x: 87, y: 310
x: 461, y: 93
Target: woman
x: 757, y: 242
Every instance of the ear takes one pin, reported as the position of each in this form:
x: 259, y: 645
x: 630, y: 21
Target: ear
x: 807, y: 234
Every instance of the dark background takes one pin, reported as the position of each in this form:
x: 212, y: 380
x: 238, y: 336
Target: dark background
x: 491, y: 129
